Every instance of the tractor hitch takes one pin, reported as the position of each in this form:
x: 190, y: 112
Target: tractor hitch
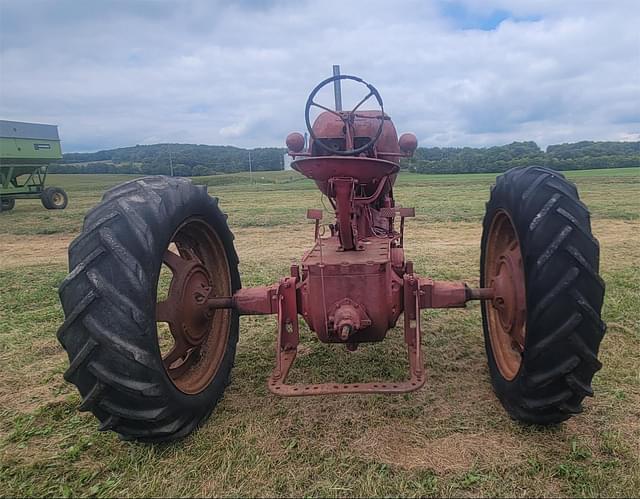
x: 346, y: 317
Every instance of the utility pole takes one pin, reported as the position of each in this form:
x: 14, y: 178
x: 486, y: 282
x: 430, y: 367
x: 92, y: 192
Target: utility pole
x: 250, y: 170
x: 170, y: 161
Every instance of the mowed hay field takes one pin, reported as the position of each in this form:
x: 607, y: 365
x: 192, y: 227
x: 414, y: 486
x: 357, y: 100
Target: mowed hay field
x: 450, y: 438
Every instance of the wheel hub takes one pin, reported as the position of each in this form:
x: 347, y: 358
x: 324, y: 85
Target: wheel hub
x: 509, y: 296
x: 507, y: 312
x: 186, y: 307
x: 200, y: 332
x: 189, y: 291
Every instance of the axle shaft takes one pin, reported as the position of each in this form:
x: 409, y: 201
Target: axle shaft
x: 480, y: 294
x: 220, y: 302
x: 244, y: 300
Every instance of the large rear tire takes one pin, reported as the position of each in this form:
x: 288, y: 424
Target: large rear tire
x: 111, y: 312
x: 543, y: 330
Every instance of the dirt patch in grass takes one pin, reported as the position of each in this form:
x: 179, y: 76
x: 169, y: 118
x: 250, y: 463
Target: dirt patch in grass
x: 37, y: 378
x: 20, y: 251
x: 409, y: 449
x: 257, y: 243
x: 273, y: 243
x: 40, y: 450
x: 30, y: 398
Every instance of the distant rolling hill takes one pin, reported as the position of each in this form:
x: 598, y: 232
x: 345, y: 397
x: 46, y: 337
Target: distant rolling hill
x: 199, y: 160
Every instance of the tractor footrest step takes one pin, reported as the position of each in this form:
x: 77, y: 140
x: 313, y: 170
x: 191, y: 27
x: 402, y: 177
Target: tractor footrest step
x: 277, y: 385
x: 343, y: 388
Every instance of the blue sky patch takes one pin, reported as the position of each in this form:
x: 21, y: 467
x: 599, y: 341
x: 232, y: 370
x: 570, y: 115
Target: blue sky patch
x: 464, y: 18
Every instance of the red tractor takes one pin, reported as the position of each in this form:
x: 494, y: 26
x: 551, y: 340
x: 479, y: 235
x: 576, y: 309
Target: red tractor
x: 539, y: 285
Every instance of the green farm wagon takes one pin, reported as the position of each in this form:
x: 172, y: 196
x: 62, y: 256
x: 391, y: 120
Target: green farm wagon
x: 26, y: 150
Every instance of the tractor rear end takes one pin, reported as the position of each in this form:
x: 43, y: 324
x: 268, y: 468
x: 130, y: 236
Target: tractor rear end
x: 539, y: 285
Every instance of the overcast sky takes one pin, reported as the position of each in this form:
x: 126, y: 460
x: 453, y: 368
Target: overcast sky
x: 478, y: 73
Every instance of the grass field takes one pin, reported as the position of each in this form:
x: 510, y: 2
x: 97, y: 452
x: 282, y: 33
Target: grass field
x: 450, y: 438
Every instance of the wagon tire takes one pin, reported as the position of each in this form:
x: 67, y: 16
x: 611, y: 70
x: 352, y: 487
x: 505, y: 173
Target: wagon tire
x: 7, y: 204
x: 543, y: 329
x: 54, y: 198
x: 110, y: 300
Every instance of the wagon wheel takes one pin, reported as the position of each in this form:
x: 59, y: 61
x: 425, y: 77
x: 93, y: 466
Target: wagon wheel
x: 543, y: 328
x: 7, y: 204
x: 127, y: 379
x: 54, y: 198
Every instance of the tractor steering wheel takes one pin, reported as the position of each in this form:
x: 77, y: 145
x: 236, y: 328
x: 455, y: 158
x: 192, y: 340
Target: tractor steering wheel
x: 346, y: 116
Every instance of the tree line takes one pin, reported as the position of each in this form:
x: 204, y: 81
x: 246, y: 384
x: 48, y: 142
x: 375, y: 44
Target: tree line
x: 196, y: 160
x: 576, y: 156
x: 186, y: 160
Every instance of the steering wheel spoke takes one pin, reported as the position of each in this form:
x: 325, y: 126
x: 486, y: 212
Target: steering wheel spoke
x: 327, y: 109
x: 367, y: 97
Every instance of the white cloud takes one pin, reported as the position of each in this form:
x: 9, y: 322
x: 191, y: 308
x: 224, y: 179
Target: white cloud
x: 234, y: 131
x: 119, y: 73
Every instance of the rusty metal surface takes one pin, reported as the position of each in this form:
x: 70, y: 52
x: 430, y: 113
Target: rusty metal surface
x: 367, y: 171
x: 440, y: 294
x: 343, y: 191
x: 506, y: 312
x: 314, y: 214
x: 286, y: 353
x: 366, y: 277
x: 386, y: 147
x: 480, y: 293
x: 200, y: 273
x: 327, y: 250
x: 408, y: 143
x: 295, y: 142
x: 261, y: 300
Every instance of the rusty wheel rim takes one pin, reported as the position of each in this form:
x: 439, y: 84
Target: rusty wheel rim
x: 200, y: 270
x: 506, y: 313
